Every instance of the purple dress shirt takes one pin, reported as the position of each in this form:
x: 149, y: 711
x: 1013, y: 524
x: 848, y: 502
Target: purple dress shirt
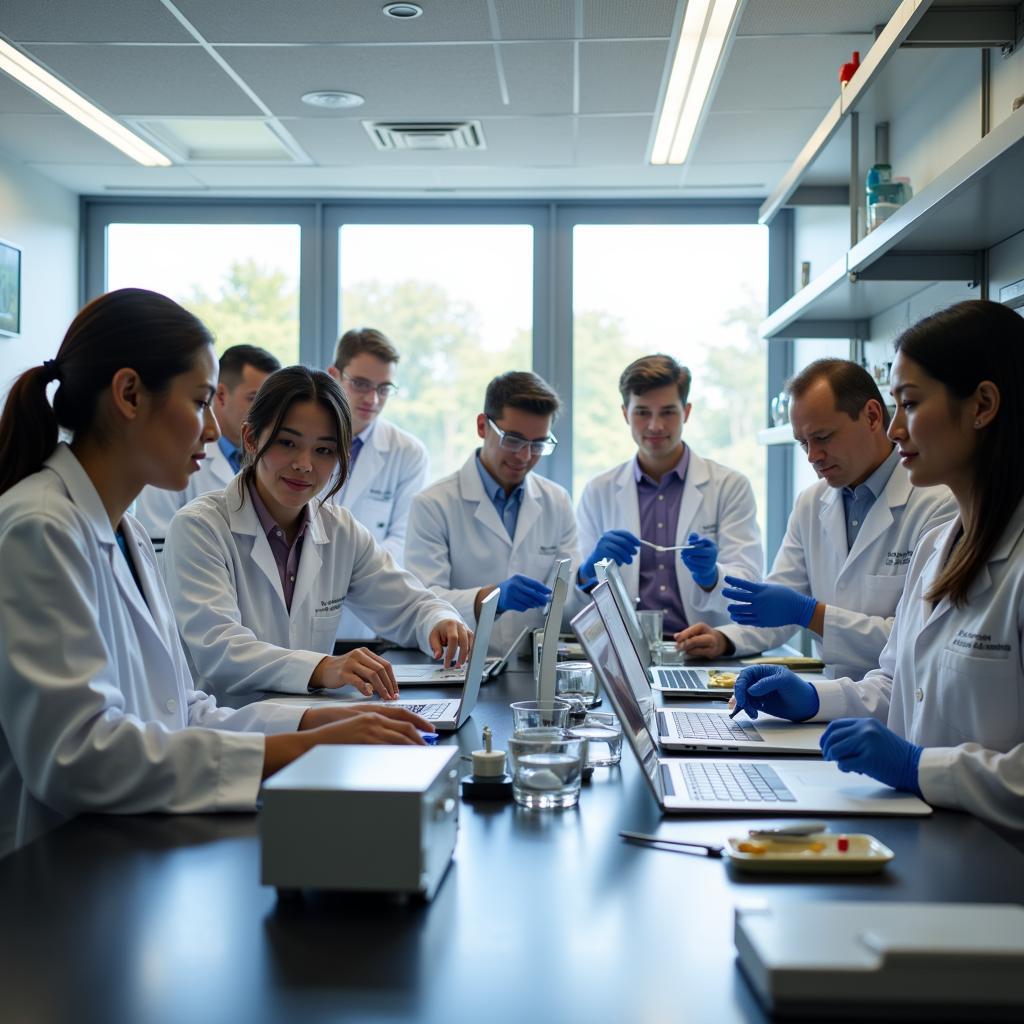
x: 286, y: 556
x: 659, y: 518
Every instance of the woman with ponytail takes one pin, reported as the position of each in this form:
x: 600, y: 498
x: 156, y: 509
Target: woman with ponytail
x: 943, y: 714
x: 97, y: 708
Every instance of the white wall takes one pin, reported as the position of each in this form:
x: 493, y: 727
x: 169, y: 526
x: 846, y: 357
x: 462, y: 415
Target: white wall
x: 41, y: 218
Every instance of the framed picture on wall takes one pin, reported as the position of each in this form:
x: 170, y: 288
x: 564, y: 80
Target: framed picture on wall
x: 10, y: 288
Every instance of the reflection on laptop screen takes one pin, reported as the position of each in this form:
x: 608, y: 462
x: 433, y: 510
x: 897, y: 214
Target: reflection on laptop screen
x: 627, y: 609
x: 552, y: 630
x: 593, y: 635
x: 475, y: 669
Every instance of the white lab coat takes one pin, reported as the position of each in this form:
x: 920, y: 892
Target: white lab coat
x: 952, y: 680
x: 226, y: 593
x: 457, y: 544
x: 155, y: 507
x: 717, y: 503
x: 392, y: 467
x: 96, y: 702
x: 860, y: 586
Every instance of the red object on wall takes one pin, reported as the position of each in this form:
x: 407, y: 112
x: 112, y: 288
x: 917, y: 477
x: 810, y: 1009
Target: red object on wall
x: 846, y: 71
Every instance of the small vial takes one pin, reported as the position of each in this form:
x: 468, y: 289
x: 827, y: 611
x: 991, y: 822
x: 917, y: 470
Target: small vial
x: 843, y: 844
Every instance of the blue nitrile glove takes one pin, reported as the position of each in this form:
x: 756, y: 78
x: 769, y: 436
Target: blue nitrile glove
x: 618, y: 545
x: 776, y: 691
x: 767, y: 604
x: 521, y: 593
x: 701, y: 559
x: 865, y: 745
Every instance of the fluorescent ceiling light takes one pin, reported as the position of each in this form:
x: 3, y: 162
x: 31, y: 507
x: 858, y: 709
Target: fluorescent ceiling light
x: 707, y: 27
x: 54, y: 91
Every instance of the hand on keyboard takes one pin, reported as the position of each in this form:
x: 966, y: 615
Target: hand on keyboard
x: 776, y: 691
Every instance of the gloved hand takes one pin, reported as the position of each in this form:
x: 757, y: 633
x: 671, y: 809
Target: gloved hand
x: 521, y: 593
x: 701, y: 559
x: 618, y: 545
x: 776, y: 691
x: 767, y: 604
x: 865, y: 745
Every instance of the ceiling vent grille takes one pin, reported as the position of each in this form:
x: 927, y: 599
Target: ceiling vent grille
x: 391, y: 136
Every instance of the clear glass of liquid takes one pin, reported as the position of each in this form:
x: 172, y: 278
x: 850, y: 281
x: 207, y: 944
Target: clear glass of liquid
x: 547, y: 767
x: 604, y: 739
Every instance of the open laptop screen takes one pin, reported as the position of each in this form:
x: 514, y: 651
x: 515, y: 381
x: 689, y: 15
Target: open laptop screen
x: 627, y: 609
x: 552, y: 630
x: 593, y: 635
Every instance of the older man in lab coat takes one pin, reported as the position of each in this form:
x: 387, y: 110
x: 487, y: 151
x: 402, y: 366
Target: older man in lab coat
x: 641, y: 512
x: 843, y: 562
x: 387, y: 465
x: 243, y: 368
x: 495, y: 523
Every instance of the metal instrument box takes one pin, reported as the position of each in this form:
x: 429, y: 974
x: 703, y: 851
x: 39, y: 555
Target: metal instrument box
x: 362, y: 818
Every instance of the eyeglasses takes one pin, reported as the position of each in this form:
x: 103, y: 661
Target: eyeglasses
x: 513, y: 443
x: 364, y: 387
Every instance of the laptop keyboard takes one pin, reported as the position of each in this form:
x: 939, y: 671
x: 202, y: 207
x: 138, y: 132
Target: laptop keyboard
x: 431, y: 712
x: 749, y: 783
x: 683, y: 678
x: 698, y: 726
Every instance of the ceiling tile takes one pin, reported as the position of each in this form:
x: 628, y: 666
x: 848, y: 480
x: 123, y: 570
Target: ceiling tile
x: 90, y: 21
x: 463, y: 80
x: 752, y: 136
x: 799, y: 17
x: 55, y: 138
x: 147, y: 80
x: 617, y: 141
x: 96, y: 179
x: 620, y: 78
x: 539, y: 77
x: 334, y: 21
x: 616, y: 19
x: 526, y: 19
x: 15, y: 98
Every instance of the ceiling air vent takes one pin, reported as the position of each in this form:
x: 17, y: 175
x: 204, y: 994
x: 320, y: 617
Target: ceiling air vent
x: 394, y: 135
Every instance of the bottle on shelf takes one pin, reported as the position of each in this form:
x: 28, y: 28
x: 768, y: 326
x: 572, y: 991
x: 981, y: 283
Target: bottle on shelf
x: 847, y: 71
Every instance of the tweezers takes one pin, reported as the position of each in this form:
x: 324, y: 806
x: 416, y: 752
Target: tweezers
x: 673, y: 845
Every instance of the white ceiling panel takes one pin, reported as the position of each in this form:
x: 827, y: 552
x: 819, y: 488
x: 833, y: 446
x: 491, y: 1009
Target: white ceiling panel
x: 334, y: 21
x: 54, y: 138
x: 147, y: 80
x: 95, y: 179
x: 16, y: 99
x: 751, y: 136
x: 800, y: 17
x: 620, y: 19
x: 526, y: 19
x: 800, y: 76
x: 615, y: 141
x: 621, y: 78
x: 90, y: 21
x: 734, y: 178
x: 463, y: 80
x: 539, y: 77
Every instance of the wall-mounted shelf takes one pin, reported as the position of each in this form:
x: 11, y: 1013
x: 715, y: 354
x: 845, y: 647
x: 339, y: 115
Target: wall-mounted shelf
x: 776, y: 435
x: 936, y: 236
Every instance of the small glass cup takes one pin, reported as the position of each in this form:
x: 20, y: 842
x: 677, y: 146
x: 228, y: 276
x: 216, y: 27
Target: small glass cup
x: 534, y: 714
x: 575, y: 680
x: 652, y: 622
x: 604, y: 739
x: 547, y: 767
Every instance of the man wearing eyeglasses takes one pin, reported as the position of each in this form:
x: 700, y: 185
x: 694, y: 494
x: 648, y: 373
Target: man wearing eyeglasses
x: 387, y: 465
x: 676, y: 521
x: 494, y: 523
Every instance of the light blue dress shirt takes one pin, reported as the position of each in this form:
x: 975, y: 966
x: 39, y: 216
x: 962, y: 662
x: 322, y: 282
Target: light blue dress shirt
x: 507, y: 506
x: 231, y: 453
x: 857, y: 501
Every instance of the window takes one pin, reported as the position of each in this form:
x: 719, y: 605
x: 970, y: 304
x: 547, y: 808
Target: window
x: 241, y: 280
x: 693, y: 291
x: 457, y: 301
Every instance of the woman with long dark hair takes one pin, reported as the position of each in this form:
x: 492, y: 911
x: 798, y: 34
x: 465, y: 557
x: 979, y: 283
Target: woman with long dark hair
x: 943, y: 715
x: 259, y: 573
x: 97, y: 708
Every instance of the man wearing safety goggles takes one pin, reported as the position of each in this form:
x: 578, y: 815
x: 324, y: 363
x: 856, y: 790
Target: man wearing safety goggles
x: 495, y: 520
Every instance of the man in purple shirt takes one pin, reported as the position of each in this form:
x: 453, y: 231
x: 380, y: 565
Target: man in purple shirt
x: 669, y: 497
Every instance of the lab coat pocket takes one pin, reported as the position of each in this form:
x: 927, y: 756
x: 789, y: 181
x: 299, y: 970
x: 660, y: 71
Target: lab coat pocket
x: 882, y: 594
x: 979, y: 699
x: 376, y: 517
x: 325, y: 627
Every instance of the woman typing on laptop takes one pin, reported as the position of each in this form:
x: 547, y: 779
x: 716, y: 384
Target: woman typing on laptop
x: 258, y: 573
x: 943, y: 714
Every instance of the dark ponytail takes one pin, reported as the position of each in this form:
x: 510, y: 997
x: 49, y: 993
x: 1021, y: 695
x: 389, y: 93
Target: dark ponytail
x: 960, y: 347
x: 131, y: 327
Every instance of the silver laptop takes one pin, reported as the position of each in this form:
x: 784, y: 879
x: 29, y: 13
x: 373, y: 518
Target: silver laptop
x: 552, y: 630
x: 672, y: 680
x: 711, y: 784
x: 449, y: 714
x: 703, y: 728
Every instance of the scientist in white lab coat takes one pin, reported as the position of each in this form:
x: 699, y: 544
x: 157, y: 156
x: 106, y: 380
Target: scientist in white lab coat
x: 669, y: 495
x: 387, y: 465
x: 97, y: 708
x: 242, y: 369
x: 259, y: 573
x: 843, y: 563
x: 496, y: 523
x: 942, y: 715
